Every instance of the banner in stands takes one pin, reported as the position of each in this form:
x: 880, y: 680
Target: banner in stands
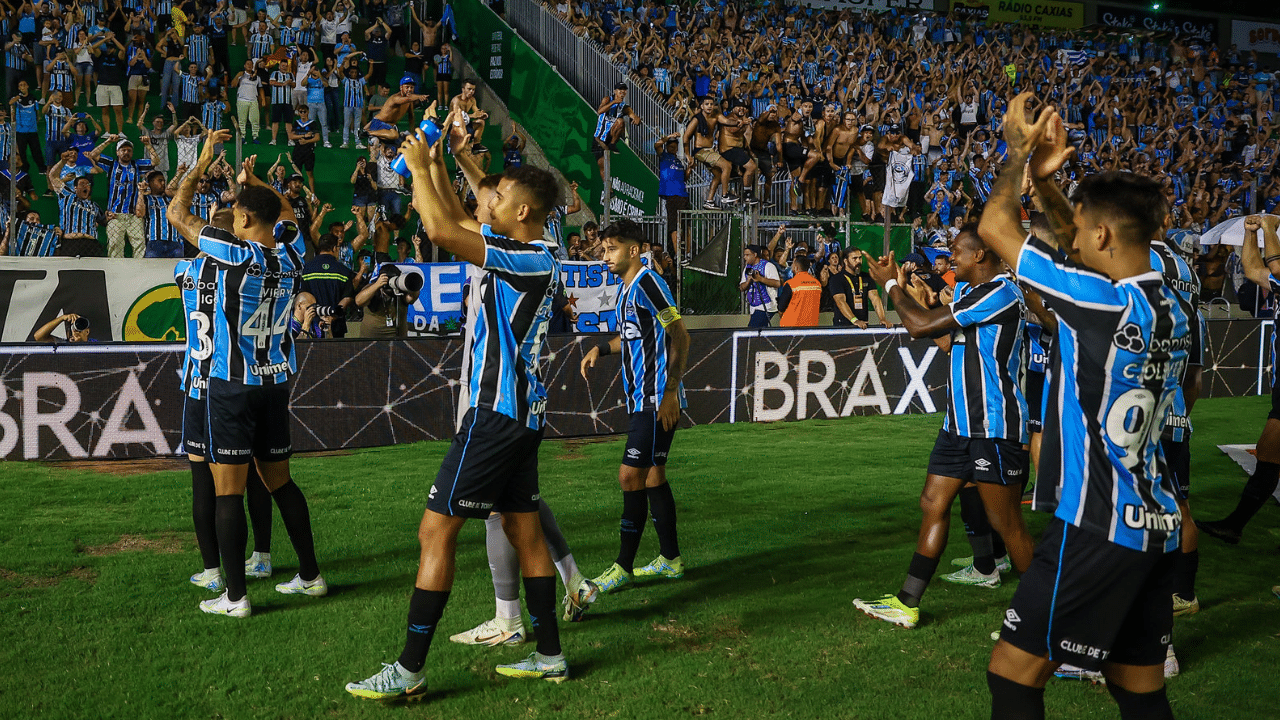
x: 438, y: 310
x: 134, y: 301
x: 1255, y: 36
x: 122, y: 401
x: 1043, y: 13
x: 870, y: 4
x: 592, y: 292
x: 1190, y: 26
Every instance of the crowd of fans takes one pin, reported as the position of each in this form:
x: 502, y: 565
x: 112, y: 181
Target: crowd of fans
x: 99, y: 91
x: 847, y: 104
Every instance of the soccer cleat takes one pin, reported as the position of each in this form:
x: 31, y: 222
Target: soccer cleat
x: 1071, y: 672
x: 1220, y: 530
x: 221, y: 605
x: 298, y: 586
x: 612, y: 580
x: 1002, y: 563
x: 538, y: 667
x: 1185, y: 607
x: 578, y: 601
x: 328, y: 144
x: 390, y: 683
x: 662, y: 567
x: 970, y: 576
x: 210, y: 579
x: 491, y: 633
x: 1171, y: 667
x: 890, y: 609
x: 257, y: 567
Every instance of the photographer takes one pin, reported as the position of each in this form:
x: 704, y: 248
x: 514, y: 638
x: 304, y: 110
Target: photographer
x: 330, y: 282
x: 386, y: 302
x: 307, y: 320
x: 760, y: 281
x: 76, y: 329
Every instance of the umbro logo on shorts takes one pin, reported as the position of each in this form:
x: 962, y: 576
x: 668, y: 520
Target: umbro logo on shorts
x: 633, y: 452
x: 1011, y: 619
x: 982, y: 463
x: 432, y: 494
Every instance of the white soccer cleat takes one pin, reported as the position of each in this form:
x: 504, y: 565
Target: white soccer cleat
x: 258, y: 566
x: 221, y: 605
x: 298, y: 586
x: 210, y: 579
x: 970, y: 576
x: 1171, y: 667
x: 491, y: 633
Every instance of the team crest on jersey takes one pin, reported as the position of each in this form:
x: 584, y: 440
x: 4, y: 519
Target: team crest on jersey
x: 629, y: 331
x: 1129, y: 337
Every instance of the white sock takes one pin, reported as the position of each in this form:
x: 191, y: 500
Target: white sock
x: 508, y: 609
x: 568, y: 569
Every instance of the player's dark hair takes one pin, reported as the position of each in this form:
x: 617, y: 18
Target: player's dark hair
x: 1135, y: 202
x: 261, y: 202
x: 489, y: 182
x: 624, y: 231
x: 152, y: 175
x: 540, y: 185
x: 1040, y: 226
x: 327, y: 242
x: 803, y: 262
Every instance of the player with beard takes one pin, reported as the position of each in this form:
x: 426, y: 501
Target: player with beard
x: 655, y: 347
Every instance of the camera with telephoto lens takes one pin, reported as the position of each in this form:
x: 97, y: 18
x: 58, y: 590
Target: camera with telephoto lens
x: 81, y: 324
x: 398, y: 281
x: 326, y: 311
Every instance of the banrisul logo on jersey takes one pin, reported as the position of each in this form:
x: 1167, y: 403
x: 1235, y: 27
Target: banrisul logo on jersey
x: 156, y: 316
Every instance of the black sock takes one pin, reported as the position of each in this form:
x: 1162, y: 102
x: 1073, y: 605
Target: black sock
x: 258, y: 500
x: 297, y: 522
x: 203, y: 513
x: 918, y: 577
x: 1141, y: 706
x: 662, y: 504
x: 1188, y: 565
x: 998, y: 550
x: 540, y: 598
x: 978, y: 528
x: 233, y: 535
x: 1261, y: 484
x: 635, y: 506
x: 1011, y: 701
x: 425, y: 609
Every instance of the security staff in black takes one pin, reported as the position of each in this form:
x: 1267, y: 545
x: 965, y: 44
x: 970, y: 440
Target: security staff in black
x: 331, y: 282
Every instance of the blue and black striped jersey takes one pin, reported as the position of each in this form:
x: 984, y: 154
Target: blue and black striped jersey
x: 1179, y: 275
x: 253, y: 304
x: 507, y: 314
x: 645, y: 309
x: 988, y: 360
x: 1039, y: 343
x: 197, y: 282
x: 1120, y: 351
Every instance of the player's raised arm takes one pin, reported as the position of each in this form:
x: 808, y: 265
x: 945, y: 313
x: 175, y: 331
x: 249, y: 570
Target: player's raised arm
x: 439, y: 216
x: 1001, y: 226
x: 179, y: 211
x: 920, y: 322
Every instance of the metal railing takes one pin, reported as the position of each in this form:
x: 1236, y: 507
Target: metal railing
x: 586, y: 66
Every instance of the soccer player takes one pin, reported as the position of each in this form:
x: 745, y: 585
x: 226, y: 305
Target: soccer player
x: 1097, y: 594
x: 1262, y: 484
x: 248, y: 390
x: 492, y: 464
x: 984, y: 430
x: 655, y: 347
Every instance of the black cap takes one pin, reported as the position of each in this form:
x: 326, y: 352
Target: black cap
x: 895, y: 128
x: 296, y: 176
x: 620, y: 86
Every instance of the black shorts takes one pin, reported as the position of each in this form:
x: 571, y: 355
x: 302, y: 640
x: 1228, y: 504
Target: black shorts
x: 491, y: 466
x: 1177, y: 460
x: 738, y: 157
x: 195, y: 426
x: 764, y: 161
x: 247, y: 422
x: 794, y: 154
x: 1035, y: 401
x: 986, y: 460
x: 304, y: 157
x: 281, y: 112
x: 599, y: 147
x: 1086, y: 600
x: 647, y: 443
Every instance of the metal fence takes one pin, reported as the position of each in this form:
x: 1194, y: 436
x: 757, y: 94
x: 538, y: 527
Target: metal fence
x: 584, y: 64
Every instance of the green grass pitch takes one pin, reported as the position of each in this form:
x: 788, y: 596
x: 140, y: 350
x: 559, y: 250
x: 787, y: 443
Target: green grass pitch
x: 781, y: 526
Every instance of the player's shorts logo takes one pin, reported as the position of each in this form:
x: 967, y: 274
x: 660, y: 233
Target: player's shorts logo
x: 982, y: 463
x: 633, y: 452
x: 1129, y: 337
x: 432, y: 494
x: 1011, y: 619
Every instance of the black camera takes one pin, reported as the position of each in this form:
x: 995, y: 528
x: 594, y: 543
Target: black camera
x: 398, y: 281
x: 326, y: 311
x: 81, y: 324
